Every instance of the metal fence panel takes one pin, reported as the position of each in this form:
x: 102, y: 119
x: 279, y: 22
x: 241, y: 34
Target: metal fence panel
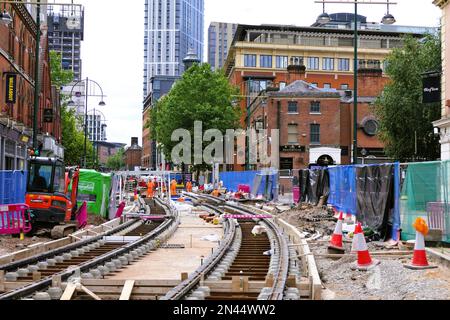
x: 12, y: 187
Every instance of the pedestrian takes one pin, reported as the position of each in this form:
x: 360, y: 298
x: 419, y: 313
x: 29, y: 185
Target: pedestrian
x: 150, y: 189
x: 189, y: 186
x: 173, y: 187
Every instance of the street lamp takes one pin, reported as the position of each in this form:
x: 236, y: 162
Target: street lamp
x: 387, y: 19
x: 86, y: 94
x: 5, y: 18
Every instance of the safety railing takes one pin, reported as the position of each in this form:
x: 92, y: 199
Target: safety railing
x: 14, y: 219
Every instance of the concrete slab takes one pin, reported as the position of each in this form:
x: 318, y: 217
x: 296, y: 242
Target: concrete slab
x: 441, y: 255
x: 168, y: 264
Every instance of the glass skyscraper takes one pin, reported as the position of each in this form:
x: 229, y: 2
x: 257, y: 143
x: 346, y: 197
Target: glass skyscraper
x: 172, y: 27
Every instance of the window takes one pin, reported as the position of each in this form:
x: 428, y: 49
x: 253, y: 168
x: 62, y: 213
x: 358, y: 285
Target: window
x: 265, y: 61
x: 292, y: 107
x: 297, y: 61
x: 250, y: 60
x: 314, y: 84
x: 282, y: 62
x: 282, y: 85
x: 344, y: 86
x: 292, y: 134
x: 344, y: 64
x: 315, y: 133
x: 313, y: 63
x: 327, y: 85
x: 327, y: 64
x: 315, y: 107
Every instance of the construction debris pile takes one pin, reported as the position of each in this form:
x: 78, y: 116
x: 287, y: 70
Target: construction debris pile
x: 387, y: 280
x: 311, y: 220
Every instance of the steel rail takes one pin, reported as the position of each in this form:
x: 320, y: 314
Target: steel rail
x: 281, y: 275
x: 46, y: 282
x: 24, y: 262
x: 181, y: 290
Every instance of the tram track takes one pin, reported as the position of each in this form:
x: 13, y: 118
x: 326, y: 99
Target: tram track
x: 239, y: 269
x: 25, y: 277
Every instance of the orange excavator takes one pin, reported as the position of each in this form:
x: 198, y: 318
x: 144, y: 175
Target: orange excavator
x: 52, y: 205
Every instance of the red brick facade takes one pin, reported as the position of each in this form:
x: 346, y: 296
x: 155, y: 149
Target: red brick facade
x: 133, y: 155
x: 335, y: 118
x: 17, y: 56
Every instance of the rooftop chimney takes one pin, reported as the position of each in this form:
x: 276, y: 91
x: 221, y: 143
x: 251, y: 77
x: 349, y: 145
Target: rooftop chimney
x: 296, y: 71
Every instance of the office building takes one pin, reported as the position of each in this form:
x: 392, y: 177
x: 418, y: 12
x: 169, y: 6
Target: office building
x: 220, y: 37
x: 172, y: 27
x: 65, y: 33
x: 295, y: 62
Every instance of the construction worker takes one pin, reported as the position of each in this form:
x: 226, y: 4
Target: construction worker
x: 173, y: 187
x: 189, y: 186
x: 150, y: 188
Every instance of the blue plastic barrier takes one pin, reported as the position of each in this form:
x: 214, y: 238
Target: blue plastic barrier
x: 13, y: 185
x: 232, y: 179
x: 343, y: 189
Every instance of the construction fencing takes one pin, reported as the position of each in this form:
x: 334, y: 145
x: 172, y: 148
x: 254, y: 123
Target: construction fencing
x: 13, y: 185
x: 426, y: 193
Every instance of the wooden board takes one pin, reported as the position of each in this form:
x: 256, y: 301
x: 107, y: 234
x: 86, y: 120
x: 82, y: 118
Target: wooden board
x: 68, y: 293
x: 127, y: 289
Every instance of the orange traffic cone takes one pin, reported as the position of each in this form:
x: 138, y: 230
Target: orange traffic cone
x: 419, y: 260
x: 336, y: 239
x: 359, y: 244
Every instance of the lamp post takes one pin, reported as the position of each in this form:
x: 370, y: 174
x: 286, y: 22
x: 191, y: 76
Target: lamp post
x: 5, y: 17
x: 323, y: 19
x: 87, y: 94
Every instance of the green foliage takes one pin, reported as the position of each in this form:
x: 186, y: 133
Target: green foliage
x: 59, y: 76
x: 200, y: 95
x: 73, y: 139
x: 400, y: 109
x: 116, y: 162
x: 72, y: 136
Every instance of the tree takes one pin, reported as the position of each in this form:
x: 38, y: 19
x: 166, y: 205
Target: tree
x: 200, y: 95
x: 116, y: 161
x: 405, y: 120
x: 59, y: 76
x: 72, y: 137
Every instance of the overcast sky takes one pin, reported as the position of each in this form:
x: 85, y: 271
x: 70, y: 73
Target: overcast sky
x: 112, y: 50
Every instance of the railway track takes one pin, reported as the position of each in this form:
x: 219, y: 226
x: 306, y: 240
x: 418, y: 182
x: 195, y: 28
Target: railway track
x: 240, y: 269
x: 26, y: 277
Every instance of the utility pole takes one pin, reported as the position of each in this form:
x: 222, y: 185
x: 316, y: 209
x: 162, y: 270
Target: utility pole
x: 37, y: 88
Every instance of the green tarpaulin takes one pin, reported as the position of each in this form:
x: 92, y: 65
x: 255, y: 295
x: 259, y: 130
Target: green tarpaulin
x: 94, y: 187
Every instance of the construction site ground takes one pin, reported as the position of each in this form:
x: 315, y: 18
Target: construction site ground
x: 390, y: 280
x: 168, y: 264
x: 10, y: 244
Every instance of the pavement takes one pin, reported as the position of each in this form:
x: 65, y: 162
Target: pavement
x: 168, y: 264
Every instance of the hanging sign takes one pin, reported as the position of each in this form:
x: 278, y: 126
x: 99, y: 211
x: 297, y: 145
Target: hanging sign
x: 11, y: 86
x: 431, y: 88
x: 48, y: 115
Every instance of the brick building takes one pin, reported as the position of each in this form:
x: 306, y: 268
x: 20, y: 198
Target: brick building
x: 264, y: 60
x: 106, y: 150
x: 17, y: 64
x: 315, y: 123
x: 133, y: 155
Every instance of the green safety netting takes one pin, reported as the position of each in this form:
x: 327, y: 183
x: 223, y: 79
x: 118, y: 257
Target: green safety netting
x: 425, y: 193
